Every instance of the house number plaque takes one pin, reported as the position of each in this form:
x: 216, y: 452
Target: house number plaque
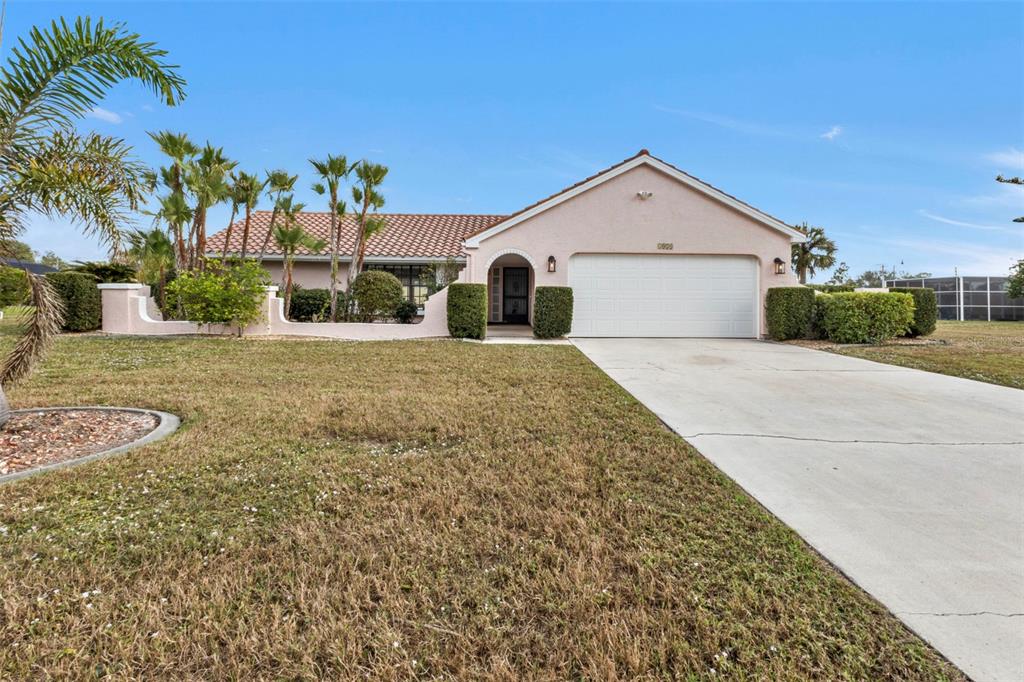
x: 665, y: 246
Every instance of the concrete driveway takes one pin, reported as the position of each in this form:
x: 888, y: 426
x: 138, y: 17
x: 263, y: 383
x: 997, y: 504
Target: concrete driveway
x: 911, y: 483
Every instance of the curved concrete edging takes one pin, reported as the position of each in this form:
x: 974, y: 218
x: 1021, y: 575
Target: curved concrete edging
x: 167, y: 425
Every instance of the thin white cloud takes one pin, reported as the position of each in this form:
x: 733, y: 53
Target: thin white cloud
x: 832, y: 133
x: 749, y: 127
x: 147, y: 107
x: 1008, y: 159
x: 104, y: 115
x: 960, y: 223
x: 969, y: 258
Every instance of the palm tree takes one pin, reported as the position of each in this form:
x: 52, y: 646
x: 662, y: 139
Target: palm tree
x: 248, y: 189
x: 290, y: 237
x: 182, y: 151
x: 278, y: 184
x: 817, y: 253
x: 52, y: 78
x: 152, y: 254
x: 367, y: 198
x: 206, y: 178
x: 332, y: 171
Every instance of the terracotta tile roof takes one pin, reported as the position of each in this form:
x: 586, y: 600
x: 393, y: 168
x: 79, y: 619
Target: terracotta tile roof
x: 406, y: 235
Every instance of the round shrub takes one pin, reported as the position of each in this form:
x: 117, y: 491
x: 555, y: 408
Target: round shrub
x: 81, y: 299
x: 230, y: 294
x: 552, y: 312
x: 13, y: 286
x: 310, y: 305
x: 926, y: 310
x: 789, y: 312
x: 865, y: 317
x: 376, y: 294
x: 406, y: 311
x: 467, y: 310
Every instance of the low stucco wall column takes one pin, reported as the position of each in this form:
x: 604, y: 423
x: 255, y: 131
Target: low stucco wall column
x: 119, y: 301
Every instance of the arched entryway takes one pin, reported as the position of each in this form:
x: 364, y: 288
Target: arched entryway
x: 510, y: 283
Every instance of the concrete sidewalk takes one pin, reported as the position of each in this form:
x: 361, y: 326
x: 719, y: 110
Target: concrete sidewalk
x: 912, y: 483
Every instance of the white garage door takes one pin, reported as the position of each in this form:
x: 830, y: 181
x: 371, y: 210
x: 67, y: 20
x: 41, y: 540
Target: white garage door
x: 663, y: 295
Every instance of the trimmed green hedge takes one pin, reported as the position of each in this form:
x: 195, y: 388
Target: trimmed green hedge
x: 107, y: 273
x: 467, y: 310
x: 866, y: 317
x: 926, y: 310
x: 789, y: 312
x: 311, y: 305
x: 832, y: 288
x: 13, y: 286
x: 81, y: 299
x: 552, y: 312
x: 376, y: 294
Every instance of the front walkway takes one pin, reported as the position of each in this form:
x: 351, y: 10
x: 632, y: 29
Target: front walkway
x: 909, y: 482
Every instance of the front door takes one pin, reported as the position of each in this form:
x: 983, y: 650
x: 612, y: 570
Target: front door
x: 516, y: 304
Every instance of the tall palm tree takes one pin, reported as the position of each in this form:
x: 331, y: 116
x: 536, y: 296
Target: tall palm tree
x: 207, y: 179
x: 367, y: 197
x: 152, y: 254
x: 277, y: 185
x: 52, y: 78
x: 235, y: 199
x: 332, y: 171
x: 817, y: 253
x: 181, y: 151
x: 248, y: 189
x: 290, y: 237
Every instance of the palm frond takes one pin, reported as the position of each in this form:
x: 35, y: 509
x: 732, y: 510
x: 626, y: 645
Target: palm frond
x: 92, y: 180
x: 38, y: 330
x: 61, y: 73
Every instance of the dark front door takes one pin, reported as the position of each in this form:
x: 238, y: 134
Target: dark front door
x: 516, y: 304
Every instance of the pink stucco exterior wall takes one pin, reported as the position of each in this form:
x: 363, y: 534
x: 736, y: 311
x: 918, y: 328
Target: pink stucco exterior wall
x: 307, y: 274
x: 610, y: 218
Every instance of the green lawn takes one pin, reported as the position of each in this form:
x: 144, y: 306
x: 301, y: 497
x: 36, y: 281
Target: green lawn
x: 986, y: 351
x: 406, y: 510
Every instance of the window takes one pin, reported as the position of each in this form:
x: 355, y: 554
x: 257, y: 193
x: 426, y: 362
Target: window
x: 413, y: 278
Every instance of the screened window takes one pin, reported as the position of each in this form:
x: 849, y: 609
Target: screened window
x: 413, y: 279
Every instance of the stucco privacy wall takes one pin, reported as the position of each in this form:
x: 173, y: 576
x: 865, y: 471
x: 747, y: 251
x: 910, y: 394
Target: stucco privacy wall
x: 129, y: 309
x: 611, y: 218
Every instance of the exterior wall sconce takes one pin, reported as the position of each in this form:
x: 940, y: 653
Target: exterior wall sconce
x: 644, y: 195
x: 780, y: 266
x: 551, y: 263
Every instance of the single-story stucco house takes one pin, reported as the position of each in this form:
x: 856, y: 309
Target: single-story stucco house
x: 648, y: 250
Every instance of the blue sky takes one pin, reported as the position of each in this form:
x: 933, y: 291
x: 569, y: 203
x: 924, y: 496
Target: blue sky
x: 884, y: 123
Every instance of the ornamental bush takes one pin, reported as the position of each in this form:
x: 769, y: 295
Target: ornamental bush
x: 406, y: 311
x: 375, y: 295
x: 866, y: 317
x: 230, y: 294
x: 552, y: 312
x: 832, y: 288
x: 310, y: 305
x: 926, y: 310
x: 106, y: 273
x: 13, y: 286
x: 789, y: 312
x: 467, y: 310
x: 81, y: 299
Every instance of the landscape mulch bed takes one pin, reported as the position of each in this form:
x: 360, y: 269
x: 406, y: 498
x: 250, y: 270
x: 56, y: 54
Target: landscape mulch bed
x: 42, y: 437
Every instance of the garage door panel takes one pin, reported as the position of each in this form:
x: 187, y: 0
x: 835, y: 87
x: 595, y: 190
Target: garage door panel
x: 663, y: 295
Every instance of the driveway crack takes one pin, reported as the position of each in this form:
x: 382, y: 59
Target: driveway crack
x: 857, y: 440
